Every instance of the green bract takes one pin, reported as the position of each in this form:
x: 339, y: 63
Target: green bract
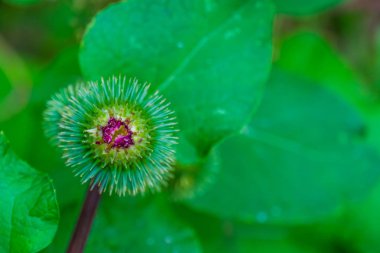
x: 115, y: 133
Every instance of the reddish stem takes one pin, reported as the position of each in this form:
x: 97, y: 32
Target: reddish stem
x: 84, y: 223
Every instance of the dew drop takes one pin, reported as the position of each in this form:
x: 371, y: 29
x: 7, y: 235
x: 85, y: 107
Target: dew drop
x: 168, y: 239
x: 220, y: 111
x: 180, y: 44
x: 231, y: 33
x: 261, y: 217
x: 237, y: 16
x: 210, y: 5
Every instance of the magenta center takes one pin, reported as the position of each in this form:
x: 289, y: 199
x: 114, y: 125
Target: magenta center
x: 116, y: 134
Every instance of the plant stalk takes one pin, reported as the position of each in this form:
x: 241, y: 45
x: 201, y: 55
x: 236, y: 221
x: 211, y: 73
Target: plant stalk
x: 85, y: 220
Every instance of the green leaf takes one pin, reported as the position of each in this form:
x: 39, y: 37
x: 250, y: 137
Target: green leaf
x: 360, y: 223
x: 226, y: 236
x: 301, y: 7
x: 130, y: 225
x: 299, y: 53
x: 147, y: 227
x: 299, y: 160
x: 209, y: 58
x: 29, y: 211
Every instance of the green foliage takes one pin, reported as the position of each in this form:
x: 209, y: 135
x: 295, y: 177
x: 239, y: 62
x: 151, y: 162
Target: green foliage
x: 29, y: 211
x: 302, y: 49
x: 224, y: 236
x: 195, y: 52
x: 293, y: 171
x: 149, y: 227
x: 337, y: 75
x: 277, y: 158
x: 141, y: 225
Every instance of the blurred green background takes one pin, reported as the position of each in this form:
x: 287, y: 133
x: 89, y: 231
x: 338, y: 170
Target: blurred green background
x: 301, y: 176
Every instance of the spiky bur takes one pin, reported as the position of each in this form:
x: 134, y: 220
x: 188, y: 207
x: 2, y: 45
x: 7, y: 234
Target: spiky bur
x: 115, y: 133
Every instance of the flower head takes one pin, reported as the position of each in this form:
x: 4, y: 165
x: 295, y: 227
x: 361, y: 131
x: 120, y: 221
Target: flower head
x: 114, y: 133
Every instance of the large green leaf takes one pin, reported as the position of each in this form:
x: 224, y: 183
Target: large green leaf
x: 209, y: 58
x: 300, y: 51
x: 226, y: 236
x: 140, y: 227
x: 301, y: 7
x: 29, y: 211
x: 301, y: 158
x: 130, y: 225
x: 360, y: 223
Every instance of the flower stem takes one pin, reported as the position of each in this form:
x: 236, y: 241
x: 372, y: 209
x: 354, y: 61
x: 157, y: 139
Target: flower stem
x: 84, y: 223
